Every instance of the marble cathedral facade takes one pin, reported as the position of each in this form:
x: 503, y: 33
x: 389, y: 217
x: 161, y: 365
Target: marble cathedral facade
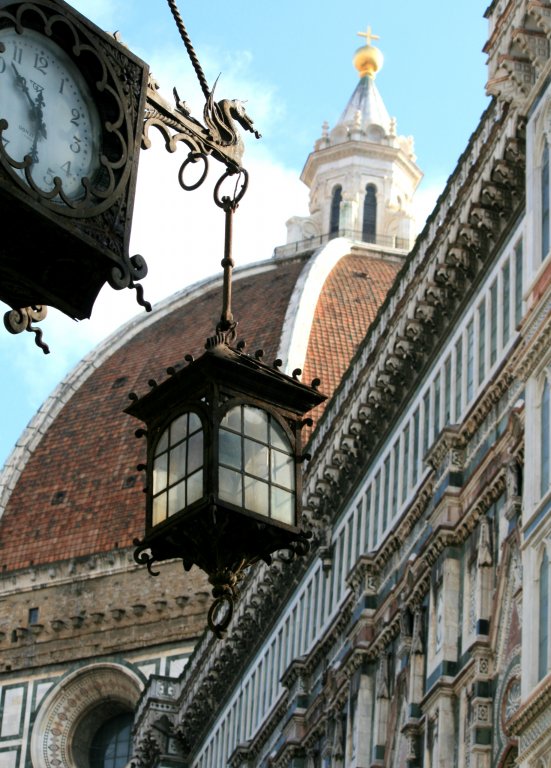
x: 417, y: 631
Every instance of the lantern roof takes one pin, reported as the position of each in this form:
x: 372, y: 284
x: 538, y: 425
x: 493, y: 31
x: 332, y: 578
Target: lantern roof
x: 235, y: 370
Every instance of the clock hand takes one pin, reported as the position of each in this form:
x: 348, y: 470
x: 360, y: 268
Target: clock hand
x: 21, y: 82
x: 39, y: 114
x: 33, y: 153
x: 36, y: 106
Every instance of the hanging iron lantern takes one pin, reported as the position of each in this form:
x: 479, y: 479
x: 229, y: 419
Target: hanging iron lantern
x: 224, y: 459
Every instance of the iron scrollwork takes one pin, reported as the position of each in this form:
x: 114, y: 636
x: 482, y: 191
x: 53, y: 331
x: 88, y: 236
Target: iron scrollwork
x: 19, y: 320
x: 218, y: 136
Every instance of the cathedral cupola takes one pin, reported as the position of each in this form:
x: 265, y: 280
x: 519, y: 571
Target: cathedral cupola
x: 362, y: 175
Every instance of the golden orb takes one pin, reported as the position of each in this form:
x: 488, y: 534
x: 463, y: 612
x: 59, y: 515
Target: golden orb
x: 368, y: 60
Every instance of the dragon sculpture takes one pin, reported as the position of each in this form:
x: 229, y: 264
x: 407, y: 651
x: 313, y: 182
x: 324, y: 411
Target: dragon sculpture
x: 219, y: 136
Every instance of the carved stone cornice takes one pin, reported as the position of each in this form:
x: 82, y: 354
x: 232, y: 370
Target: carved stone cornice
x: 448, y: 447
x: 526, y: 716
x: 536, y: 342
x: 518, y: 49
x: 493, y: 394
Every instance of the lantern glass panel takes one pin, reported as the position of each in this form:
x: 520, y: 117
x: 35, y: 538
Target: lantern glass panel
x: 257, y: 496
x: 256, y: 464
x: 257, y: 459
x: 232, y: 420
x: 230, y: 449
x: 195, y: 452
x: 177, y: 462
x: 283, y: 469
x: 283, y: 505
x: 278, y: 438
x: 255, y: 423
x: 195, y: 487
x: 176, y: 498
x: 178, y: 467
x: 162, y: 445
x: 178, y: 429
x: 160, y: 473
x: 159, y: 508
x: 230, y: 486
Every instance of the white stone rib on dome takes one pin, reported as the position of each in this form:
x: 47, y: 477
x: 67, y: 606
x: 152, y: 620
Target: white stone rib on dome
x: 304, y: 299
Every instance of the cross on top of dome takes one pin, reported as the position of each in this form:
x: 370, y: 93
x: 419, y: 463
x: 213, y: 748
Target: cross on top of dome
x: 369, y: 36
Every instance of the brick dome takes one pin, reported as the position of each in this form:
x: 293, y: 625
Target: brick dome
x: 71, y: 489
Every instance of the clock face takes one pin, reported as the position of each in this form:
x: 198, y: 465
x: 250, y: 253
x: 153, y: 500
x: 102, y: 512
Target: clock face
x: 52, y: 119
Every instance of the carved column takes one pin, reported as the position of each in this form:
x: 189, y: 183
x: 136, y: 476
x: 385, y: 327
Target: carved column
x: 364, y: 716
x: 443, y: 731
x: 484, y: 586
x: 481, y: 708
x: 382, y: 711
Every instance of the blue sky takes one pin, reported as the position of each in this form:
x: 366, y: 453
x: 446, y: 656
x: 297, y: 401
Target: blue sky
x: 292, y: 62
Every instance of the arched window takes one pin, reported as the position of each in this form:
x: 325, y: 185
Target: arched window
x: 178, y: 467
x: 111, y: 746
x: 336, y: 200
x: 543, y: 623
x: 545, y: 438
x: 256, y: 464
x: 545, y: 203
x: 369, y: 231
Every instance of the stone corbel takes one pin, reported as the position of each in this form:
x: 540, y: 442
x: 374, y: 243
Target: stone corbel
x: 533, y: 44
x: 484, y: 219
x: 541, y: 13
x: 425, y: 313
x: 497, y: 197
x: 458, y: 256
x: 475, y: 239
x: 449, y: 277
x: 515, y: 150
x: 436, y: 296
x: 384, y: 383
x: 504, y: 172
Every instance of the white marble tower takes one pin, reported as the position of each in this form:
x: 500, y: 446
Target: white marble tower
x: 362, y: 176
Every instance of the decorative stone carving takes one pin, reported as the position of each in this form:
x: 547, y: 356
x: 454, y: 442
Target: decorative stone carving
x: 484, y: 556
x: 382, y: 685
x: 417, y: 645
x: 69, y: 702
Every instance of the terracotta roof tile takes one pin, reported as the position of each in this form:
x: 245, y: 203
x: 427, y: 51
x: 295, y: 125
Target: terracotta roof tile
x: 352, y: 295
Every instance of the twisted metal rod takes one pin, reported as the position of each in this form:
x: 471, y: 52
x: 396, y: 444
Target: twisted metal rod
x: 189, y: 47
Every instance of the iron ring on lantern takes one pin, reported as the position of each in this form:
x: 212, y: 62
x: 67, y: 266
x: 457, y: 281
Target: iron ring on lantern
x: 193, y: 157
x: 238, y: 194
x: 222, y: 605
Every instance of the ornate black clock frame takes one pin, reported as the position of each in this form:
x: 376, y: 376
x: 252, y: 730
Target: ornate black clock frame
x: 57, y: 249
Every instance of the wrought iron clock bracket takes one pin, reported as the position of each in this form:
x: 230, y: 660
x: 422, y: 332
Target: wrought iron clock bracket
x: 218, y: 136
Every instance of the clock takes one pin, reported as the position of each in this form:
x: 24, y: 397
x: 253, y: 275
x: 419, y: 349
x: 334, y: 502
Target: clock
x: 72, y: 102
x: 54, y: 127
